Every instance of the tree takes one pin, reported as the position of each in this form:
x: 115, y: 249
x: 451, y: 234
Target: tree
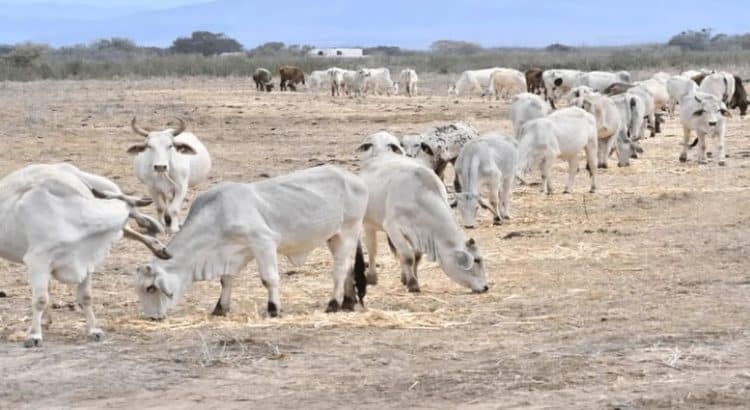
x: 24, y: 54
x: 114, y: 43
x: 455, y: 47
x: 692, y: 40
x: 206, y: 43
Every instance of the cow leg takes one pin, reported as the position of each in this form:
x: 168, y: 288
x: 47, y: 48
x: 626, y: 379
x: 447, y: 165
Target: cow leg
x: 83, y: 298
x: 342, y: 248
x: 456, y: 181
x: 173, y: 210
x: 39, y: 281
x: 407, y: 258
x: 505, y: 195
x: 590, y: 162
x: 495, y: 200
x: 371, y: 244
x: 269, y: 275
x: 722, y: 153
x: 572, y: 171
x: 685, y: 144
x: 225, y: 299
x: 604, y: 148
x: 652, y: 123
x: 702, y: 148
x: 545, y: 166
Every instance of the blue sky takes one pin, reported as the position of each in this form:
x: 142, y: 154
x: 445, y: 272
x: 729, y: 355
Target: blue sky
x: 405, y: 23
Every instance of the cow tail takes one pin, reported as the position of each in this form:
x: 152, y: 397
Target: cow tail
x: 360, y: 280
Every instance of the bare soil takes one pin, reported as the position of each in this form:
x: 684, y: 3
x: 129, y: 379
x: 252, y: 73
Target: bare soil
x: 637, y: 296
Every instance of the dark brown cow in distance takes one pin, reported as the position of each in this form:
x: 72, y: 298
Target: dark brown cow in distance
x: 739, y: 98
x: 290, y: 77
x: 534, y: 82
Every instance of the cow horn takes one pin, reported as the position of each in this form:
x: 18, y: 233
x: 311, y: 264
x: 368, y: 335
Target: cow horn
x: 698, y: 99
x: 138, y: 130
x: 180, y: 127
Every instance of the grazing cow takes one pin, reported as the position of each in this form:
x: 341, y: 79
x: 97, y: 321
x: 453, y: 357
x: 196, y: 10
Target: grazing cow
x: 720, y: 85
x: 441, y: 145
x: 354, y: 81
x: 409, y: 80
x: 489, y: 161
x: 611, y: 129
x: 409, y: 203
x: 472, y: 81
x: 678, y: 87
x: 169, y: 162
x: 318, y: 79
x: 617, y: 88
x: 559, y: 82
x: 233, y: 223
x: 378, y: 80
x: 652, y: 120
x: 601, y: 80
x: 505, y: 82
x: 61, y: 223
x: 290, y: 77
x: 526, y: 107
x: 631, y: 111
x: 562, y: 134
x: 262, y: 78
x: 706, y: 115
x: 534, y: 81
x: 739, y: 98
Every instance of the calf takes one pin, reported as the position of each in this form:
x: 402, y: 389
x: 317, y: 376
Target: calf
x: 54, y: 223
x: 562, y: 134
x: 409, y: 203
x: 706, y: 115
x: 232, y: 223
x: 169, y: 162
x: 489, y: 161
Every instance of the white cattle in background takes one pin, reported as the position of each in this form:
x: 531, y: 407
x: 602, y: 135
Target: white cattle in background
x: 472, y: 82
x: 61, y: 223
x: 409, y: 79
x: 611, y: 129
x: 601, y: 80
x: 678, y: 86
x: 379, y: 81
x: 409, y: 203
x: 526, y: 107
x: 720, y: 85
x: 505, y: 82
x: 652, y: 121
x: 168, y: 163
x: 558, y: 82
x: 318, y: 80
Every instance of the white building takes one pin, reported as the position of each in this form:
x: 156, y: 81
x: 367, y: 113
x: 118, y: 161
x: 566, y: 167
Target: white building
x: 337, y: 52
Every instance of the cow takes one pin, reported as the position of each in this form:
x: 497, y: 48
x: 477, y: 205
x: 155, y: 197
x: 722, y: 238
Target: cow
x: 601, y: 80
x: 652, y: 120
x: 61, y: 222
x: 720, y: 85
x: 379, y: 81
x: 441, y: 145
x: 409, y: 203
x: 706, y: 115
x: 562, y: 134
x: 409, y: 79
x: 489, y: 161
x: 233, y: 223
x: 679, y: 86
x: 617, y: 88
x: 739, y: 98
x: 290, y: 77
x: 611, y: 129
x: 354, y: 81
x: 505, y: 82
x: 658, y: 90
x: 411, y: 145
x: 526, y: 107
x: 318, y: 79
x: 534, y: 81
x: 168, y: 163
x: 262, y: 78
x: 472, y: 81
x: 631, y: 110
x: 557, y: 82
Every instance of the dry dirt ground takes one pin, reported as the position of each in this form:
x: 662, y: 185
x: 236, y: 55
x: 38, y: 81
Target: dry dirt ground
x: 637, y: 296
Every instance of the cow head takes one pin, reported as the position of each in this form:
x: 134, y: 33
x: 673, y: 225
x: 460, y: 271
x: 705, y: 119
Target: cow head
x: 411, y: 144
x: 380, y: 143
x: 709, y: 111
x: 160, y: 146
x: 157, y: 290
x: 464, y: 264
x: 468, y: 205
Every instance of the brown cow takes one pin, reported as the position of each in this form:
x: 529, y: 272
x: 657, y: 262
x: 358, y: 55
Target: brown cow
x: 290, y: 76
x: 739, y: 99
x: 534, y: 82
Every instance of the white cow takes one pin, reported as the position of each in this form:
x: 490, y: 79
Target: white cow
x: 720, y: 85
x: 318, y: 79
x: 601, y: 80
x: 169, y: 162
x: 506, y: 82
x: 631, y: 110
x: 440, y: 146
x: 354, y: 81
x: 679, y: 86
x: 562, y: 134
x: 706, y: 115
x: 526, y: 107
x: 412, y: 145
x: 379, y: 81
x: 53, y: 223
x: 490, y: 161
x: 472, y: 81
x: 658, y: 90
x: 649, y: 104
x: 558, y: 82
x: 409, y: 203
x: 611, y: 129
x: 409, y: 80
x: 661, y: 76
x: 233, y: 223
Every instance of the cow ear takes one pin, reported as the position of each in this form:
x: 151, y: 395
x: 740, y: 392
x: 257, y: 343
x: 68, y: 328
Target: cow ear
x: 426, y: 149
x: 183, y: 148
x: 396, y: 149
x: 137, y: 149
x: 725, y: 113
x: 464, y: 259
x: 364, y: 147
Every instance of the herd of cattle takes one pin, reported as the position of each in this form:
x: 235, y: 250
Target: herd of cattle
x: 61, y: 221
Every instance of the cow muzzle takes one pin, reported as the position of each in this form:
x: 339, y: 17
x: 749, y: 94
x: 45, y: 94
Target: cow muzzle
x: 160, y: 168
x: 712, y: 123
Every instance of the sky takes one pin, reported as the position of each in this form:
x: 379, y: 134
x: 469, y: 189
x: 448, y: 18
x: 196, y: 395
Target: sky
x: 406, y: 23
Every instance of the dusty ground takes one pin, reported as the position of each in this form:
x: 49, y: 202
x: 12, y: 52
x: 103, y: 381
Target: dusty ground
x: 635, y: 297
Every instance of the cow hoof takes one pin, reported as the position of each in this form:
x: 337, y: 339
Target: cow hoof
x: 592, y: 190
x: 348, y: 304
x: 683, y: 158
x: 34, y: 341
x: 219, y: 310
x: 722, y: 163
x: 497, y: 221
x: 96, y: 335
x: 372, y: 279
x: 333, y: 306
x: 413, y: 286
x: 273, y: 311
